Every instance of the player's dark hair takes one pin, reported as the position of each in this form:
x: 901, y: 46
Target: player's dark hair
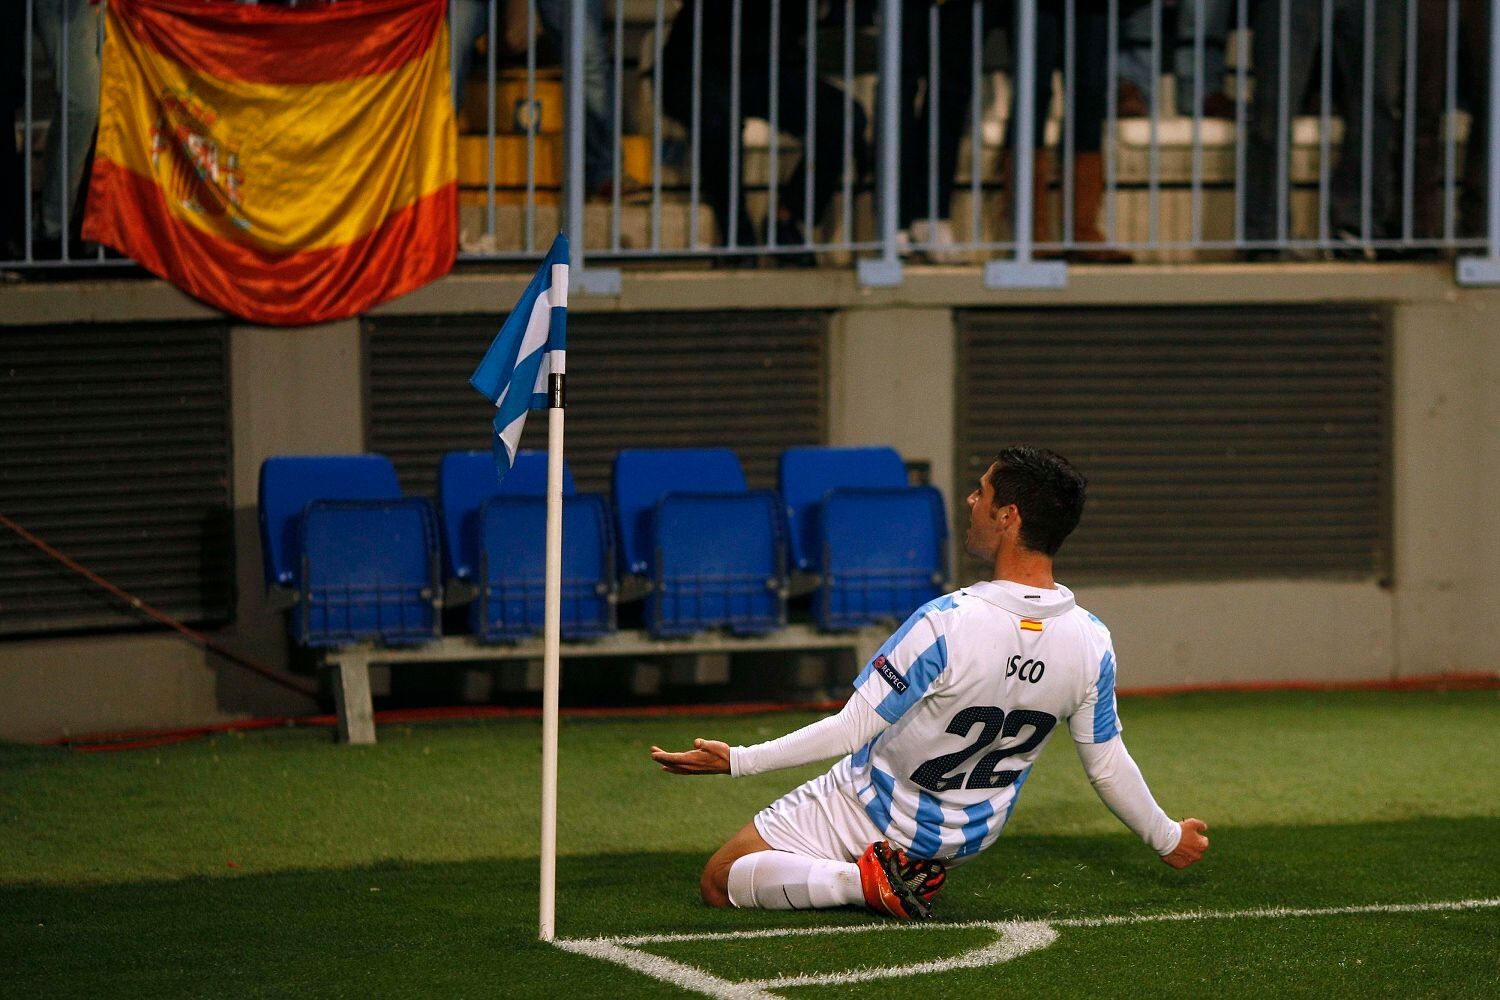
x: 1045, y: 488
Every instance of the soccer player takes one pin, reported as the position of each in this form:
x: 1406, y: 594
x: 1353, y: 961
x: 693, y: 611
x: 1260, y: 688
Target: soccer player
x: 944, y: 725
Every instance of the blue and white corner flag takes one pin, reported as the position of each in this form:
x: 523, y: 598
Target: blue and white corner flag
x: 530, y: 348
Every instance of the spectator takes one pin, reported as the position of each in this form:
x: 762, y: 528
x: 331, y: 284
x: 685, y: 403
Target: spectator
x: 717, y: 132
x: 1138, y: 75
x: 1429, y: 178
x: 471, y: 21
x: 12, y: 98
x: 1090, y: 49
x: 69, y: 33
x: 928, y: 223
x: 1275, y: 83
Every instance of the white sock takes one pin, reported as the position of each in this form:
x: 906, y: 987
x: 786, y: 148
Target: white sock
x: 778, y: 880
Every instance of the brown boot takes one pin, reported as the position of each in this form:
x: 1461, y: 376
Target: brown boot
x: 1088, y: 198
x: 1041, y: 188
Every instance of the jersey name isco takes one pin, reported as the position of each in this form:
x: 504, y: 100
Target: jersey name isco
x: 974, y: 684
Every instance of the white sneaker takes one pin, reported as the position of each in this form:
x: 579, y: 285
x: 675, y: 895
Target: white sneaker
x: 936, y: 240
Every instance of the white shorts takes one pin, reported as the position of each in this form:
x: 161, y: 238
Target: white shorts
x: 820, y: 818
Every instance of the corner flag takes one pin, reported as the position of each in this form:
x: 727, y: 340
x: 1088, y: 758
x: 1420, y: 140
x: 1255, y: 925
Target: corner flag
x: 530, y: 348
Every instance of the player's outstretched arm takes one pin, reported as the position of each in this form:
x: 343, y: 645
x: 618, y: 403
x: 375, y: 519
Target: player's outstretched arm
x: 839, y: 734
x: 1191, y: 846
x: 706, y: 757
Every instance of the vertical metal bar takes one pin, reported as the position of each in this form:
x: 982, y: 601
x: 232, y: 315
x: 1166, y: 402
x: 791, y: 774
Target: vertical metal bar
x: 1240, y: 102
x: 492, y: 40
x: 99, y: 55
x: 1153, y: 169
x: 1367, y: 115
x: 773, y: 152
x: 1111, y: 119
x: 1450, y: 106
x: 1409, y: 123
x: 736, y: 128
x: 695, y: 154
x: 890, y: 126
x: 1283, y: 123
x: 1025, y: 149
x: 1325, y: 119
x: 1070, y: 118
x: 657, y: 42
x: 573, y: 87
x: 976, y: 122
x: 1195, y: 210
x: 531, y: 132
x: 28, y: 143
x: 1492, y: 176
x: 934, y: 109
x: 810, y: 116
x: 617, y: 152
x: 64, y: 43
x: 848, y: 224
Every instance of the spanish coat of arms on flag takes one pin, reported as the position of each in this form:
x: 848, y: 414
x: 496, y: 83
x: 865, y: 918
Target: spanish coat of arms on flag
x: 288, y: 165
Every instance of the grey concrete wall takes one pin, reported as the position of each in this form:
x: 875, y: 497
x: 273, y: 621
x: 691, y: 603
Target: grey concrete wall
x: 891, y: 380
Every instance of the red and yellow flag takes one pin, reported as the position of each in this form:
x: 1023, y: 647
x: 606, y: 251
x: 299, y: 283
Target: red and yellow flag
x: 287, y: 165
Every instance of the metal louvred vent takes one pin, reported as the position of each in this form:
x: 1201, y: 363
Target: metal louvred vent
x: 114, y: 448
x: 752, y: 382
x: 1228, y: 442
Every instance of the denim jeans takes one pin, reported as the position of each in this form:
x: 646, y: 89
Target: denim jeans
x: 470, y: 19
x: 69, y: 31
x: 1305, y: 31
x: 1135, y: 48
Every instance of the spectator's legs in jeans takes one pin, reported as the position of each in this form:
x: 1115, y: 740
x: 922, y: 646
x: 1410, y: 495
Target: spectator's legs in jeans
x: 1348, y: 208
x: 468, y: 19
x: 955, y: 85
x: 1263, y: 125
x: 827, y: 145
x: 598, y: 83
x: 79, y: 36
x: 1214, y: 15
x: 1137, y: 76
x: 714, y: 131
x: 12, y: 98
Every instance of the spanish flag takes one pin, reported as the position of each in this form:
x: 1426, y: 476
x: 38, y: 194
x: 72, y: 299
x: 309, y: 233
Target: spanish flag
x: 1031, y: 625
x: 286, y: 164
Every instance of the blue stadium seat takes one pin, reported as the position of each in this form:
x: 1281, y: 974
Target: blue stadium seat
x: 512, y: 567
x: 466, y: 479
x: 369, y: 572
x: 711, y: 549
x: 878, y: 546
x: 883, y: 556
x: 806, y: 474
x: 288, y: 483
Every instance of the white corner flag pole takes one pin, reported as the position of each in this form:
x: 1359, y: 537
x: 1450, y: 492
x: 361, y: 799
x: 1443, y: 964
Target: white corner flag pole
x: 552, y: 619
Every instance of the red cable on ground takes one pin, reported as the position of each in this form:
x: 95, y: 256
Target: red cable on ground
x: 274, y: 676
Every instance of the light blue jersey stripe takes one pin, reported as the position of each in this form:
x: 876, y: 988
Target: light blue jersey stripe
x: 1015, y: 795
x: 978, y: 825
x: 879, y: 808
x: 945, y: 603
x: 919, y: 677
x: 861, y: 757
x: 1106, y: 723
x: 928, y: 840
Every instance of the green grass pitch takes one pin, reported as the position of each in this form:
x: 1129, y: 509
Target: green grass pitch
x: 279, y: 864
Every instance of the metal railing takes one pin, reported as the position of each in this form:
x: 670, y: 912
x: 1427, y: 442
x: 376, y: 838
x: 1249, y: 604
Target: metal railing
x: 831, y: 132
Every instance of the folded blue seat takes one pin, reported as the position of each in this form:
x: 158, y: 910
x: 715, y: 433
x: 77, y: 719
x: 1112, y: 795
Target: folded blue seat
x: 369, y: 572
x: 877, y: 545
x: 709, y: 549
x: 512, y: 568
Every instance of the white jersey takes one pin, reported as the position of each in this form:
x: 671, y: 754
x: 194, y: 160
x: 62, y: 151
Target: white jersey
x: 974, y: 684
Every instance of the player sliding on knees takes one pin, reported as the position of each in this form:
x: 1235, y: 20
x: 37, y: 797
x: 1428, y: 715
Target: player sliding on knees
x: 943, y: 728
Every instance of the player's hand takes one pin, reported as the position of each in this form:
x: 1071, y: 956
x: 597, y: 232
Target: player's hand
x: 706, y: 757
x: 1193, y: 845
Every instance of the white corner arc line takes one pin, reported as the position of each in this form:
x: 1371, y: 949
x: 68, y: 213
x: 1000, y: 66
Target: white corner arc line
x: 1016, y: 938
x: 689, y: 977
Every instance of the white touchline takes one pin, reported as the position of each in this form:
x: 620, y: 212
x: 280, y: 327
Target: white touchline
x: 1013, y: 939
